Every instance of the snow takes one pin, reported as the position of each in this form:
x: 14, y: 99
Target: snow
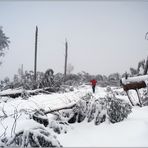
x: 49, y: 101
x: 11, y: 91
x: 132, y: 132
x: 135, y: 79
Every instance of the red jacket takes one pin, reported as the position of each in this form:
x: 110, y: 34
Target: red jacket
x: 93, y: 82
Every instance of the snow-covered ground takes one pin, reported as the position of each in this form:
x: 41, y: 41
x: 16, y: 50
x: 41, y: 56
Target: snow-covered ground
x: 133, y: 131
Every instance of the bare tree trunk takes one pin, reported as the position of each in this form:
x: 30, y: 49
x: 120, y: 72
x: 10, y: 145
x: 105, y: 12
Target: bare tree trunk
x: 22, y: 72
x: 35, y: 58
x: 66, y: 55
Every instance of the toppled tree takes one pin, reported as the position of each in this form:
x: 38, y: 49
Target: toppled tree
x: 98, y: 110
x: 91, y: 109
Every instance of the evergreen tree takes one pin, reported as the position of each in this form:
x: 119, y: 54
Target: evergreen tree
x: 4, y: 43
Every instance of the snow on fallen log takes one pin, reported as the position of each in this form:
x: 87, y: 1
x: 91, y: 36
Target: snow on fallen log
x: 134, y: 83
x: 40, y: 115
x: 69, y: 106
x: 14, y: 93
x: 10, y: 91
x: 135, y: 79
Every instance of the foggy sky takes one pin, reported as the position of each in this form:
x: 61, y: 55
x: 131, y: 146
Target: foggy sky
x: 103, y: 37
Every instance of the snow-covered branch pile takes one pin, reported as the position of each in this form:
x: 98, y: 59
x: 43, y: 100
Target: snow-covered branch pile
x: 37, y: 128
x: 99, y: 109
x: 35, y: 137
x: 25, y: 132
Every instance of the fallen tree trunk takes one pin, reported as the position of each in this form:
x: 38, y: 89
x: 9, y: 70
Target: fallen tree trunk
x: 61, y: 108
x: 41, y: 116
x: 18, y: 93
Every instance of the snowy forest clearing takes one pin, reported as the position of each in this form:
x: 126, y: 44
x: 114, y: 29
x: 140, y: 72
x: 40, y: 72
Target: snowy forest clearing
x: 68, y: 80
x: 130, y: 132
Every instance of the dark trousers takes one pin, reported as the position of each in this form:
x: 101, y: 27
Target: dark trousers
x: 93, y: 88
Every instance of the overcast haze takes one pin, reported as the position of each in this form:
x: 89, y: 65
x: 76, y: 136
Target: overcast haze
x: 103, y: 37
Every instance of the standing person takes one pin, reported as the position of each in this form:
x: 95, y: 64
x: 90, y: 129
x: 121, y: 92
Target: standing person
x: 93, y: 83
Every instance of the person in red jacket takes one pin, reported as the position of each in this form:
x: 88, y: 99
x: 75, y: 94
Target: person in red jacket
x: 93, y: 83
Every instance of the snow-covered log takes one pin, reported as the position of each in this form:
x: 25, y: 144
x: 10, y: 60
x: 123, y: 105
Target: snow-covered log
x: 61, y: 108
x: 134, y: 83
x: 16, y: 93
x: 40, y: 115
x: 134, y: 79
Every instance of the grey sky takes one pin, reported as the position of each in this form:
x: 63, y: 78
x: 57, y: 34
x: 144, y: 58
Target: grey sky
x: 103, y: 37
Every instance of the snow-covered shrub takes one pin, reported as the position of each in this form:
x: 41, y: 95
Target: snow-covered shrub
x: 35, y: 137
x: 25, y: 95
x: 26, y: 80
x: 48, y: 78
x: 114, y: 76
x: 120, y: 92
x: 90, y: 110
x: 58, y: 126
x: 66, y: 88
x: 72, y: 80
x: 80, y: 110
x: 58, y: 79
x: 87, y: 96
x: 98, y: 109
x: 118, y: 110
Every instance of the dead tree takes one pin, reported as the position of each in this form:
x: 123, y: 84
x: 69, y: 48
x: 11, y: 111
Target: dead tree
x: 66, y: 55
x: 35, y: 58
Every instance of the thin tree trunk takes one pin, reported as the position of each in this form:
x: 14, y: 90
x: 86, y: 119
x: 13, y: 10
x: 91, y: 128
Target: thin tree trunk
x: 35, y: 58
x: 66, y: 55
